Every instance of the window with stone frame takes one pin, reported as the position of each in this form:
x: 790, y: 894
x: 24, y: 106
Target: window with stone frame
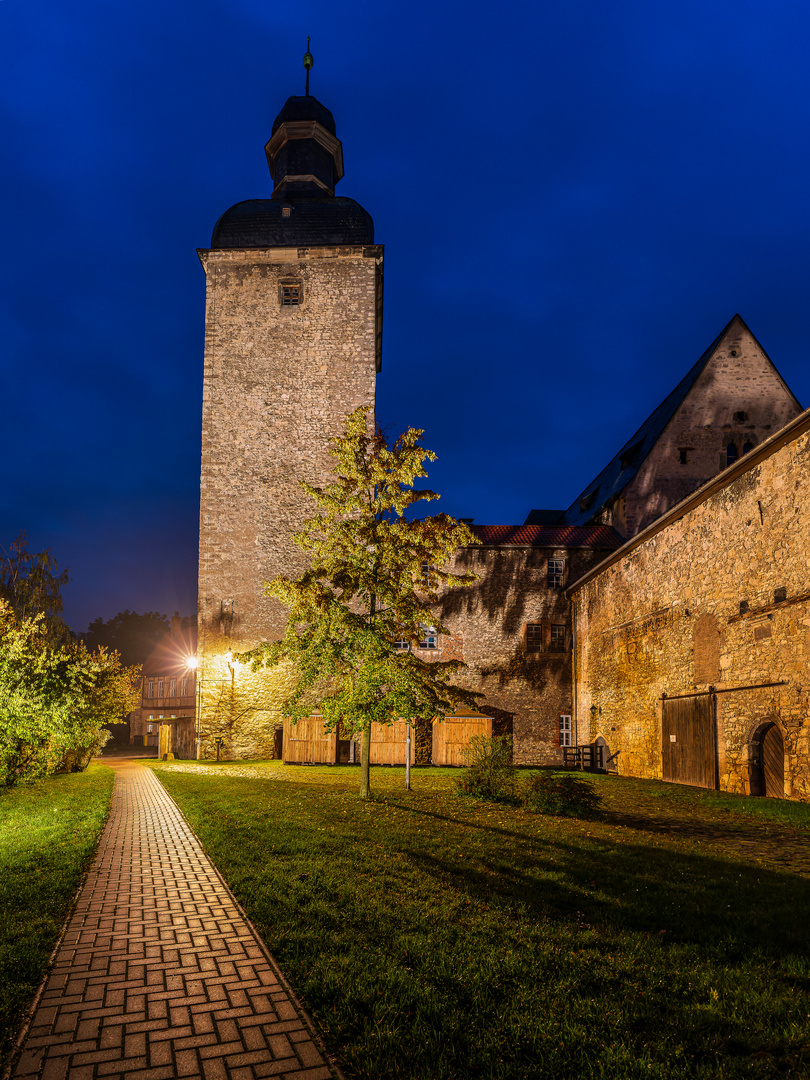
x: 429, y: 578
x: 290, y: 293
x: 556, y: 638
x: 556, y: 573
x: 428, y: 638
x: 401, y: 642
x: 566, y: 730
x: 732, y: 453
x: 534, y: 637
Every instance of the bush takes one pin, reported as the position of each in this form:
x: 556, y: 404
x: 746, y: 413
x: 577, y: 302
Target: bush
x: 561, y: 796
x: 490, y: 774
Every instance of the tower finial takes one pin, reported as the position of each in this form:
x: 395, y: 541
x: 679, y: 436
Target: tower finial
x: 308, y: 62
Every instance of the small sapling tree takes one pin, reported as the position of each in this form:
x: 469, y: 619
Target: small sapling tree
x: 373, y: 579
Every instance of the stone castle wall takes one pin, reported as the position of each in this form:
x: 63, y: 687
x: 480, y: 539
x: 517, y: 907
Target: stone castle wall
x: 279, y: 381
x: 524, y: 691
x: 664, y: 617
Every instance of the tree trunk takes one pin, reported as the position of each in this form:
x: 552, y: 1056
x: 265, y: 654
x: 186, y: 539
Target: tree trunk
x: 365, y: 764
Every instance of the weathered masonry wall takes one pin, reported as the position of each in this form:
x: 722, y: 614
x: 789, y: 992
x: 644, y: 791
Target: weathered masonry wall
x: 664, y: 617
x: 279, y: 381
x: 524, y: 692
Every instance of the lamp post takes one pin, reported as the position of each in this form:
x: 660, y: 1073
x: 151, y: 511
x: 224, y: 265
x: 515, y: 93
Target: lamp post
x: 192, y: 663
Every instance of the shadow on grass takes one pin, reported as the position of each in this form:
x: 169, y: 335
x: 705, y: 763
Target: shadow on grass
x: 440, y: 944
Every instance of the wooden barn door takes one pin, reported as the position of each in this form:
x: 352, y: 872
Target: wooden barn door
x: 689, y: 740
x: 768, y: 773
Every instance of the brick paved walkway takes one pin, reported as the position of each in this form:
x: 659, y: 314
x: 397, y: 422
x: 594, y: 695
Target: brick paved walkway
x: 158, y: 974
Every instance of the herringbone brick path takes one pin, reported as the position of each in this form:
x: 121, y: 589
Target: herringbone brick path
x: 158, y: 974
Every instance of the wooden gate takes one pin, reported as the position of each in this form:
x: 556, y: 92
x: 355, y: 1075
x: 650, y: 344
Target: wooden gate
x: 689, y: 740
x: 388, y: 743
x: 177, y: 736
x: 768, y: 763
x: 307, y: 742
x: 451, y: 736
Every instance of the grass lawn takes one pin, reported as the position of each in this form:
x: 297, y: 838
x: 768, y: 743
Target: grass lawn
x: 437, y: 937
x: 48, y: 833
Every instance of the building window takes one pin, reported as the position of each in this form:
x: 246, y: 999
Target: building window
x: 285, y: 211
x: 401, y: 642
x: 683, y: 456
x: 290, y: 295
x: 160, y: 688
x: 428, y: 639
x: 534, y: 637
x: 556, y: 573
x: 429, y: 578
x: 183, y: 687
x: 172, y: 687
x: 731, y: 453
x: 150, y: 688
x: 748, y: 447
x: 740, y: 417
x: 566, y: 730
x: 556, y: 641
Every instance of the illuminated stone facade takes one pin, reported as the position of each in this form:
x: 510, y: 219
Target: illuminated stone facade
x: 292, y: 345
x: 513, y: 630
x: 711, y: 601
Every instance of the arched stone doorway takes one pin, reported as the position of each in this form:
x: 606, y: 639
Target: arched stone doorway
x: 768, y: 762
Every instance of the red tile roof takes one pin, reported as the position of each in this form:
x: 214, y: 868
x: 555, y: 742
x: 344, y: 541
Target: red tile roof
x: 592, y: 536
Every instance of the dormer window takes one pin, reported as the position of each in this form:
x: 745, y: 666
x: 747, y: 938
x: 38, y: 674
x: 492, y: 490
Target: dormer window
x: 630, y: 455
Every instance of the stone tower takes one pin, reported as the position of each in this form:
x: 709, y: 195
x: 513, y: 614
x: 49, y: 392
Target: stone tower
x: 293, y: 335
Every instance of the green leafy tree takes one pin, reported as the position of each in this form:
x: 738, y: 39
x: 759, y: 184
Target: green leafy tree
x: 373, y: 581
x: 54, y: 699
x: 131, y: 635
x: 31, y: 586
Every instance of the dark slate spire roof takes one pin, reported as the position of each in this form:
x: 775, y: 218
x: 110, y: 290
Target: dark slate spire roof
x: 311, y: 223
x: 306, y: 161
x: 305, y: 108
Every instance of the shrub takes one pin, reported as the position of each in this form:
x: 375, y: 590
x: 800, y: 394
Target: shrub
x: 561, y: 796
x: 490, y: 774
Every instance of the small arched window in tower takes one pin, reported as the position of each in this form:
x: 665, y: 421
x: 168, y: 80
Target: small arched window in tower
x: 748, y: 446
x: 731, y: 453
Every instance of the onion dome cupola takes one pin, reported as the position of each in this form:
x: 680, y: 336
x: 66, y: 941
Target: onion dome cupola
x: 306, y: 162
x: 304, y: 154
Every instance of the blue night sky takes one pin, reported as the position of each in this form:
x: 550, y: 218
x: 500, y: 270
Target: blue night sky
x: 574, y: 198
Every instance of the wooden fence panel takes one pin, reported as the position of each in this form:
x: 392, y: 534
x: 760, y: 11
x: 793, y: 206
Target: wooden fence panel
x: 388, y: 743
x: 307, y: 742
x: 451, y: 736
